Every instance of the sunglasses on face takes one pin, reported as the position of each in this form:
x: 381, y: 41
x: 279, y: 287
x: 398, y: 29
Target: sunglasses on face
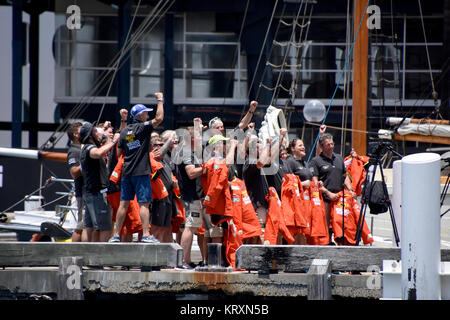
x: 158, y: 144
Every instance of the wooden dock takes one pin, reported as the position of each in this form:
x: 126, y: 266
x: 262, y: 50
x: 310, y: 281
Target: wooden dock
x: 70, y: 270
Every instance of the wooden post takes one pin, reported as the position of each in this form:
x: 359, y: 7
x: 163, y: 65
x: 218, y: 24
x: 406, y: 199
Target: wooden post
x: 70, y: 279
x: 319, y: 280
x: 360, y: 57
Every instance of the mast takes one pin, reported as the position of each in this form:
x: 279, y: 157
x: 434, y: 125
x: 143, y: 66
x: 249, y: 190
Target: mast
x: 360, y: 70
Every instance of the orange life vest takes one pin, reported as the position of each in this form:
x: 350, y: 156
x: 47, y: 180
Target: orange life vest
x: 180, y: 215
x: 292, y: 206
x: 356, y: 171
x: 132, y: 222
x: 275, y: 221
x: 232, y: 241
x: 307, y: 206
x: 351, y: 209
x: 244, y: 215
x: 319, y: 229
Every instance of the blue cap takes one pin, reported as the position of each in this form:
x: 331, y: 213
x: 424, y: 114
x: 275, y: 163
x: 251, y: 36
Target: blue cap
x: 138, y: 108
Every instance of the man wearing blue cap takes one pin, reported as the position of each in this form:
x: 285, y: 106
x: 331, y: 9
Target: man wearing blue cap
x: 134, y: 143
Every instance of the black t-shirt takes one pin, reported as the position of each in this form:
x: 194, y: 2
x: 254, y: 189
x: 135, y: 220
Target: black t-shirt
x: 258, y: 183
x: 190, y: 189
x: 135, y: 142
x: 330, y: 171
x: 94, y: 171
x: 299, y: 168
x: 112, y: 162
x: 73, y: 160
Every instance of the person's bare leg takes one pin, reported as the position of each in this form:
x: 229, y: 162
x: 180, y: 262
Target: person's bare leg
x: 76, y: 235
x: 144, y: 213
x: 186, y: 243
x: 120, y: 216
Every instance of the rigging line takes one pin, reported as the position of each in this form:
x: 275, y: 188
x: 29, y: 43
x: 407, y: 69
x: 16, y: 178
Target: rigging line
x: 340, y: 76
x: 130, y: 46
x: 236, y: 51
x: 342, y: 129
x: 281, y: 72
x: 396, y: 56
x: 122, y: 51
x: 412, y: 110
x: 426, y: 49
x: 298, y: 24
x: 102, y: 84
x: 263, y: 49
x: 297, y: 73
x: 346, y: 83
x: 80, y: 107
x: 286, y: 43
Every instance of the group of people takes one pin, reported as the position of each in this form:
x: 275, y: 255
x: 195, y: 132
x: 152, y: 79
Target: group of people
x: 225, y: 186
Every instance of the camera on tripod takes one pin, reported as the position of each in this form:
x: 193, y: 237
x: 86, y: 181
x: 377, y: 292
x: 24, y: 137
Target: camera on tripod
x: 378, y: 147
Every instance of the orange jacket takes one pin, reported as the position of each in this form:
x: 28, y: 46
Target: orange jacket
x: 292, y: 204
x: 244, y: 215
x: 132, y: 222
x: 232, y: 241
x: 356, y: 171
x: 275, y: 221
x: 307, y: 206
x: 214, y: 180
x: 319, y: 229
x: 180, y: 216
x: 159, y: 191
x: 351, y: 210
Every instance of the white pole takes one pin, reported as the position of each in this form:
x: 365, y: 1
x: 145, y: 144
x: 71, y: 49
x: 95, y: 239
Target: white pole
x: 420, y: 242
x: 397, y: 197
x: 19, y: 153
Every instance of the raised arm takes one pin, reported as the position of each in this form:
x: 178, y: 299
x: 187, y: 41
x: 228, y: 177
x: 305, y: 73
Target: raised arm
x: 248, y: 117
x: 159, y: 117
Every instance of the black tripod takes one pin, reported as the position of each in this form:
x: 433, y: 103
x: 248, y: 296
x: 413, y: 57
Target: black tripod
x: 366, y: 196
x: 446, y: 185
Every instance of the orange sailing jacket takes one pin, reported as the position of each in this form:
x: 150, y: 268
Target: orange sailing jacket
x: 319, y: 229
x: 214, y: 180
x: 159, y: 191
x: 356, y: 171
x: 351, y: 209
x: 275, y: 221
x: 244, y: 215
x: 232, y: 241
x: 292, y: 204
x: 180, y: 216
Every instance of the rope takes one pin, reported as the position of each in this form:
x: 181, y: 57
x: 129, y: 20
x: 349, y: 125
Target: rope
x: 236, y: 52
x: 340, y: 77
x: 343, y: 129
x: 426, y: 48
x: 100, y: 82
x: 122, y: 51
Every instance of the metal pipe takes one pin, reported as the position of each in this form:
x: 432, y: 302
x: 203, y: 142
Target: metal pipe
x: 420, y: 249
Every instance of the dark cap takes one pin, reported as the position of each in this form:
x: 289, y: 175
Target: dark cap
x: 86, y: 131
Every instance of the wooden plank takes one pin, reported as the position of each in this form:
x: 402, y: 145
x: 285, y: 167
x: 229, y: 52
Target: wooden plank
x: 93, y: 254
x: 422, y: 138
x: 298, y: 258
x: 70, y: 279
x: 359, y: 92
x: 319, y: 280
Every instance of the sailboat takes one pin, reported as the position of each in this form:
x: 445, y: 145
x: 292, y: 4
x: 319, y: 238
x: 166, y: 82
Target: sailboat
x: 55, y: 224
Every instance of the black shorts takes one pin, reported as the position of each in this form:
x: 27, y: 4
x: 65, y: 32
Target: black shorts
x: 161, y: 212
